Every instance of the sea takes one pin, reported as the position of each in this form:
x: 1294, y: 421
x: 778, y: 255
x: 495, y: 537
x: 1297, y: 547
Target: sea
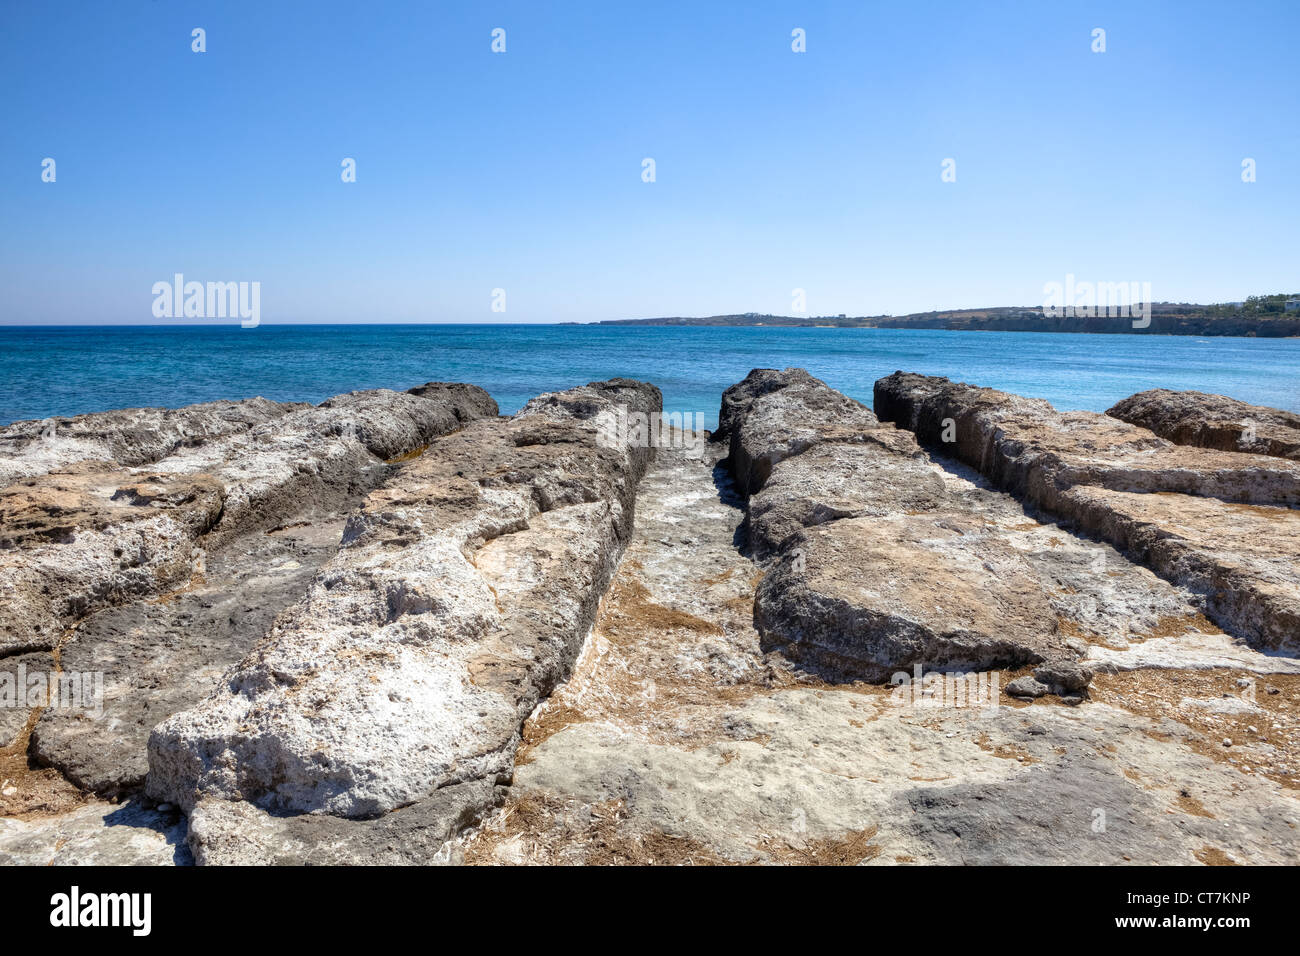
x: 68, y: 370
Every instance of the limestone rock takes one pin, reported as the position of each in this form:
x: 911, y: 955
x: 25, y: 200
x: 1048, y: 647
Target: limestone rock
x: 1243, y: 559
x: 874, y: 596
x: 128, y: 437
x: 23, y: 678
x: 467, y: 402
x: 1027, y: 687
x: 1213, y: 421
x: 771, y: 416
x: 1028, y: 448
x: 874, y: 566
x: 460, y: 596
x: 161, y: 657
x: 1064, y: 677
x: 1221, y: 524
x: 98, y: 834
x: 833, y: 481
x: 237, y: 833
x: 94, y: 534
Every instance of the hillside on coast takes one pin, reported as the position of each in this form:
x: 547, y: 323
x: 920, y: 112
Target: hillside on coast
x: 1258, y: 316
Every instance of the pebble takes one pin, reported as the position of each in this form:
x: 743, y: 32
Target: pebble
x: 1227, y: 741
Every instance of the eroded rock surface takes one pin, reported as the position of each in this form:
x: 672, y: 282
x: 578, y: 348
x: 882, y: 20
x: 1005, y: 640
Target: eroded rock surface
x: 98, y: 834
x: 161, y: 656
x: 1212, y: 421
x: 876, y: 566
x: 459, y: 598
x: 1221, y: 524
x: 148, y: 583
x: 678, y: 740
x: 130, y: 436
x: 360, y: 663
x: 95, y: 534
x: 773, y: 415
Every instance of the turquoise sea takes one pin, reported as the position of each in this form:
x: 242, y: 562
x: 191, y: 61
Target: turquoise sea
x: 69, y: 370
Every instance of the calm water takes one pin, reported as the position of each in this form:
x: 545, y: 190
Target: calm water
x: 66, y: 371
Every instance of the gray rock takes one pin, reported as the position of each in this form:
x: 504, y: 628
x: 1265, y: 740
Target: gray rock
x: 1027, y: 687
x: 128, y: 437
x: 161, y: 657
x: 1028, y: 448
x: 459, y: 598
x: 237, y: 833
x: 771, y: 416
x: 874, y: 566
x: 95, y: 534
x: 467, y: 402
x: 833, y: 481
x: 1221, y: 524
x: 17, y: 689
x: 1065, y: 676
x: 1213, y: 421
x: 98, y: 834
x: 868, y: 597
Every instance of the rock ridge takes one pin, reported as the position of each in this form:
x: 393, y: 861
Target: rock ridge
x: 1223, y: 524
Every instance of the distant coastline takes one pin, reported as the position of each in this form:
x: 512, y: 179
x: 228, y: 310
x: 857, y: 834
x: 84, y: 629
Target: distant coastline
x: 1257, y: 317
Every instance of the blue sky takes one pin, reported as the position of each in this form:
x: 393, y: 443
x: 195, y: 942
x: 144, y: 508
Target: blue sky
x: 522, y: 171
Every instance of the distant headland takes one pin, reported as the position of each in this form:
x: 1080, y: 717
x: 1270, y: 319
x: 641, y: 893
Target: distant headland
x: 1265, y: 316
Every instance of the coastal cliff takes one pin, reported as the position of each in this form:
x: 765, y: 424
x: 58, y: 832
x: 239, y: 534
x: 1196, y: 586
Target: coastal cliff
x: 400, y: 628
x: 1272, y: 316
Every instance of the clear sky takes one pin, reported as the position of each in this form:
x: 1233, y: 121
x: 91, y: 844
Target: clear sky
x: 522, y: 170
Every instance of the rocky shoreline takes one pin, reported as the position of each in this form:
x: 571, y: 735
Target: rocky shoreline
x: 960, y: 627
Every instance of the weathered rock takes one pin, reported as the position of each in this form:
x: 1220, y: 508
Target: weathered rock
x: 1217, y: 523
x: 236, y: 833
x: 80, y: 539
x: 379, y: 717
x: 1027, y: 687
x: 1064, y: 677
x: 678, y: 741
x: 459, y: 598
x: 128, y: 437
x: 97, y: 834
x: 467, y: 402
x: 873, y: 596
x: 93, y: 534
x: 771, y: 416
x: 1189, y: 651
x: 1028, y: 448
x: 835, y: 776
x: 880, y: 569
x: 159, y: 657
x: 833, y: 481
x: 1213, y: 421
x: 24, y: 679
x: 326, y: 455
x: 1244, y: 559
